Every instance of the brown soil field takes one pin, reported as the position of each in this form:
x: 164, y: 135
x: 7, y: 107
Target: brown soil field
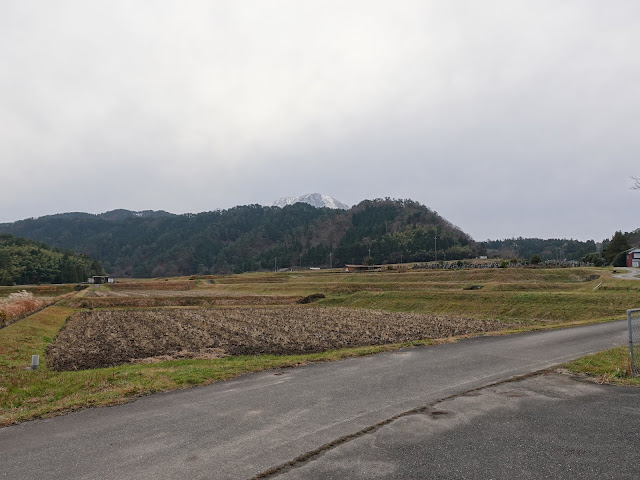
x: 102, y: 338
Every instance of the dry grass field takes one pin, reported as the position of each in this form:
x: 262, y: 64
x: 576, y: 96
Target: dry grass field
x: 18, y: 302
x: 141, y: 336
x: 17, y: 305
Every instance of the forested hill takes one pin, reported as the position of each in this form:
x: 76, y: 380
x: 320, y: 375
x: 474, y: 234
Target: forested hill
x: 251, y: 237
x: 25, y: 262
x: 547, y: 249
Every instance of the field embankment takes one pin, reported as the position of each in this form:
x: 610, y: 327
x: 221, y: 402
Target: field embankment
x: 179, y: 301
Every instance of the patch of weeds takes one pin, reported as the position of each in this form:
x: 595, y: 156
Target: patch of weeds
x: 611, y: 367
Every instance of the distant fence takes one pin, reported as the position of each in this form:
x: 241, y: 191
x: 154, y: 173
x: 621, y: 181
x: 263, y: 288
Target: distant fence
x: 633, y: 319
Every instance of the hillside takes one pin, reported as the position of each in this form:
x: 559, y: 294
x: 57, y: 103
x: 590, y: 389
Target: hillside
x: 27, y: 262
x: 251, y: 237
x: 547, y: 249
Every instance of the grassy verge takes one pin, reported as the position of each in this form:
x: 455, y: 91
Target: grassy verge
x: 610, y: 366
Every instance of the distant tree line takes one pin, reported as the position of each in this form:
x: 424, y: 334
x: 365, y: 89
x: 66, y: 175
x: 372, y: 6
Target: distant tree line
x: 544, y: 249
x: 536, y: 250
x: 253, y: 237
x: 25, y: 261
x: 614, y: 250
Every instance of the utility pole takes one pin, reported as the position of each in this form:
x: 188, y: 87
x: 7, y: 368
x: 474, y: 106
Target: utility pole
x: 300, y: 260
x: 435, y: 247
x: 330, y: 259
x: 275, y: 264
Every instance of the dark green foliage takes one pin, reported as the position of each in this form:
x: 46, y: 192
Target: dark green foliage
x: 594, y: 258
x: 395, y: 230
x: 620, y: 260
x: 549, y: 249
x: 25, y: 262
x: 252, y: 237
x: 617, y: 245
x: 535, y: 259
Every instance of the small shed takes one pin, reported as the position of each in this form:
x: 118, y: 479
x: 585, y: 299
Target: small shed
x: 633, y: 258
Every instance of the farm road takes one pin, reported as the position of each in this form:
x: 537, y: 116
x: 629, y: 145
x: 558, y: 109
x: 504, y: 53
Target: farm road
x: 243, y: 427
x: 630, y: 274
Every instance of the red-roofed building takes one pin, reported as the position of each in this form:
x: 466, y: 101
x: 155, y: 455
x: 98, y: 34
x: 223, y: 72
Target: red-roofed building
x: 633, y: 258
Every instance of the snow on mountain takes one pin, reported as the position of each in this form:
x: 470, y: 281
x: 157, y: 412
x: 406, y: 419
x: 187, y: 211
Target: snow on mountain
x: 318, y: 200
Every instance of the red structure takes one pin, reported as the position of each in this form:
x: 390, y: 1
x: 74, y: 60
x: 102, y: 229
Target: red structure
x: 633, y: 258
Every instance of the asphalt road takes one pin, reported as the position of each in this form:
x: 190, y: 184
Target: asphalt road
x: 546, y: 426
x: 241, y: 428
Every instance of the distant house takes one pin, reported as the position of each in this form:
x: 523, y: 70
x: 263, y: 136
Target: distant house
x: 633, y: 257
x: 100, y: 279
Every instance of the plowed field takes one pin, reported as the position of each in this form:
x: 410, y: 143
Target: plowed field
x: 101, y: 338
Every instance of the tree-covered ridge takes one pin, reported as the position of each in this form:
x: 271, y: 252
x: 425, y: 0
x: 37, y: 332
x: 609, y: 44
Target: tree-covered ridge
x: 252, y: 237
x: 25, y: 262
x: 546, y: 249
x: 610, y: 252
x: 401, y: 230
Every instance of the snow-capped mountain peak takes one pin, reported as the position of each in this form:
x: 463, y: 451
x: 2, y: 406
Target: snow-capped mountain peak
x: 316, y: 199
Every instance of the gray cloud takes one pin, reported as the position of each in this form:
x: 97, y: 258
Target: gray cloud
x: 508, y: 118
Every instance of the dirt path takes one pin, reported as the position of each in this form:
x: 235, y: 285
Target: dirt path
x: 630, y: 274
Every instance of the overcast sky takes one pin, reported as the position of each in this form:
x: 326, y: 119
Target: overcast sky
x: 507, y: 118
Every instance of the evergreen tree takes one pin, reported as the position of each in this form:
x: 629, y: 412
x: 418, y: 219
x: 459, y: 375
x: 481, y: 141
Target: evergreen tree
x: 617, y: 245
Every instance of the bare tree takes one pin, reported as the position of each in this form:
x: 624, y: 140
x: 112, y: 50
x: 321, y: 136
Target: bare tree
x: 636, y: 185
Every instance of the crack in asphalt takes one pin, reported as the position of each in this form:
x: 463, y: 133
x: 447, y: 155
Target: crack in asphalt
x: 429, y: 409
